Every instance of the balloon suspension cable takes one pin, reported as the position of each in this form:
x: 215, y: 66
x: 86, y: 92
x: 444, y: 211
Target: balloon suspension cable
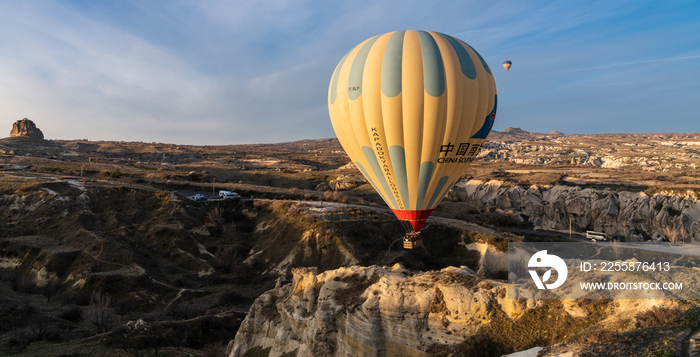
x: 407, y: 226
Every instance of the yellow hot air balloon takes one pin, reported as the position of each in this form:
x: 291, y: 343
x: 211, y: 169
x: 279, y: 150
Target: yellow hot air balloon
x: 412, y: 110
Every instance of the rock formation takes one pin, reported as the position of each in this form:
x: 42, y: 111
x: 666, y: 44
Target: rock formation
x: 633, y: 215
x: 26, y: 128
x: 391, y: 311
x: 372, y: 311
x: 347, y: 182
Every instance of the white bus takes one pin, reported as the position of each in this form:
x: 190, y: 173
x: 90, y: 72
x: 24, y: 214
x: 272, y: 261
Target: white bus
x: 595, y: 236
x: 228, y: 194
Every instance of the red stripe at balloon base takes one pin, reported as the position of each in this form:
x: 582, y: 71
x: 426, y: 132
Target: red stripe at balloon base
x: 416, y: 218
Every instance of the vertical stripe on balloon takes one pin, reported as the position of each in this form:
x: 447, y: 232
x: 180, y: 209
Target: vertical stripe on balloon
x: 358, y: 68
x: 436, y: 194
x: 369, y: 178
x: 483, y: 62
x: 433, y: 70
x: 465, y: 61
x: 398, y: 161
x: 413, y: 104
x: 336, y: 75
x: 391, y: 65
x: 376, y: 168
x: 426, y: 172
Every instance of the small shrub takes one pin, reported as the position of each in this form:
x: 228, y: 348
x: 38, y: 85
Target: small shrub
x: 658, y: 316
x: 99, y: 312
x: 181, y: 310
x: 228, y: 260
x: 27, y: 308
x: 51, y: 289
x: 20, y: 340
x: 124, y: 307
x: 72, y: 314
x: 217, y: 349
x: 229, y: 297
x: 23, y: 284
x: 216, y: 216
x: 229, y: 230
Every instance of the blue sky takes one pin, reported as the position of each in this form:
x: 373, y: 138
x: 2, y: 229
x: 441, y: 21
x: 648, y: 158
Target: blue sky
x: 233, y: 72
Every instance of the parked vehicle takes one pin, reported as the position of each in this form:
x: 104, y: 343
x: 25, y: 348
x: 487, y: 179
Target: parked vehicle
x: 596, y: 236
x: 228, y: 194
x: 198, y: 197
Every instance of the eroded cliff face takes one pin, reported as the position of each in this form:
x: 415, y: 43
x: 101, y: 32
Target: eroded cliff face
x: 372, y: 311
x: 391, y: 311
x: 633, y: 215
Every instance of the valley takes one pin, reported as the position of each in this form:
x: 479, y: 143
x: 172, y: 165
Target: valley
x: 96, y: 234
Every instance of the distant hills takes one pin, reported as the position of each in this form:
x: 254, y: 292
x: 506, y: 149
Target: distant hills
x: 519, y: 133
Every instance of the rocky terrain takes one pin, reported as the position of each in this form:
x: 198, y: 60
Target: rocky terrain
x: 101, y: 249
x: 647, y: 152
x: 370, y: 311
x: 626, y: 213
x: 124, y: 268
x: 392, y: 311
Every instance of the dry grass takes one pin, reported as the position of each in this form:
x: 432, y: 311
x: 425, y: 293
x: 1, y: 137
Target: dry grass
x: 18, y: 185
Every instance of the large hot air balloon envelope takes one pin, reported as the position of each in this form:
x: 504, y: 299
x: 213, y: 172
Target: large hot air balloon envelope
x: 412, y: 110
x: 507, y: 65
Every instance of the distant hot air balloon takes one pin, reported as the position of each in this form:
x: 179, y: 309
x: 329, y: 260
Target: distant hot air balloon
x: 507, y: 65
x: 412, y: 109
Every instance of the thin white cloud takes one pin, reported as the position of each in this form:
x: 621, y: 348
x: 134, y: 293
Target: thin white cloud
x: 630, y: 63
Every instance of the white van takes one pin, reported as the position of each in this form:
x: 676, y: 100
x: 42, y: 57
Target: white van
x: 228, y: 194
